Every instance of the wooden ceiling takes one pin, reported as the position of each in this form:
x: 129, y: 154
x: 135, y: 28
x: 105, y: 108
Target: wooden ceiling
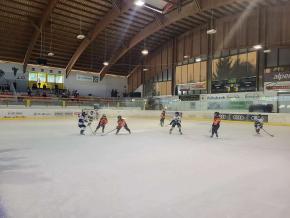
x: 21, y: 21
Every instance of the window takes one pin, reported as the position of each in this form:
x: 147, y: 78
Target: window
x: 59, y: 79
x: 41, y: 77
x: 50, y: 78
x: 32, y: 76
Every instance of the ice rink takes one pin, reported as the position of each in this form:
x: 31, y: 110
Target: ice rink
x: 47, y: 170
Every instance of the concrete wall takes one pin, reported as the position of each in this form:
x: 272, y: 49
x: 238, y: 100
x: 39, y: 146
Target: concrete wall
x: 98, y: 88
x: 13, y: 72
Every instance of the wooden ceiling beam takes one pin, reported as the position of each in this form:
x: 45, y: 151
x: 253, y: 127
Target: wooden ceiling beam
x: 99, y: 27
x: 187, y: 10
x: 48, y: 10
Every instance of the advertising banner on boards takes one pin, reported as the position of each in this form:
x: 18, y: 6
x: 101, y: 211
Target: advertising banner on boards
x: 242, y: 117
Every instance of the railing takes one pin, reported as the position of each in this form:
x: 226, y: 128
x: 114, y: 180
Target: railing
x: 27, y: 101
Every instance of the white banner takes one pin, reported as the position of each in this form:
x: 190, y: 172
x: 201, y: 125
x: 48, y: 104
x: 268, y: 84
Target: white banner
x: 85, y: 78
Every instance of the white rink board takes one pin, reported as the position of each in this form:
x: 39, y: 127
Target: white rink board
x: 283, y: 119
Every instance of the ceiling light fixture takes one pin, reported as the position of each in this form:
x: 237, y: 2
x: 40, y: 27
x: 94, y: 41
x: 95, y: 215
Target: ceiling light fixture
x: 212, y: 30
x: 139, y: 3
x: 81, y: 36
x: 145, y: 52
x: 257, y: 47
x: 50, y: 53
x: 145, y: 69
x: 105, y: 63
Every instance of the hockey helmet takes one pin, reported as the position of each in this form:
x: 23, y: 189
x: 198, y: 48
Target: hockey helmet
x: 176, y: 113
x: 119, y: 117
x: 259, y: 116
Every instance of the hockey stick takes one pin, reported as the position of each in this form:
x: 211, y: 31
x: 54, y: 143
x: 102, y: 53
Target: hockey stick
x: 267, y: 132
x: 210, y: 130
x: 109, y: 132
x: 91, y: 129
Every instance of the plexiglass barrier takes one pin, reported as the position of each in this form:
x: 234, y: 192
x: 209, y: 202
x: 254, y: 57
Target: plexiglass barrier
x: 238, y: 103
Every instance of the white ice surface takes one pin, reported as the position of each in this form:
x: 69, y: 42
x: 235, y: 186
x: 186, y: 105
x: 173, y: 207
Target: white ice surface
x: 47, y: 170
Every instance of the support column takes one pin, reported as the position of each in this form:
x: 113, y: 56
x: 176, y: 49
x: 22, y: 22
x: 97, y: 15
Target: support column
x: 173, y: 67
x: 260, y: 70
x: 209, y: 63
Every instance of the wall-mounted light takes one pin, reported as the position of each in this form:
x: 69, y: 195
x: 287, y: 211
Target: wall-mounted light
x: 266, y: 51
x: 197, y: 59
x: 185, y: 56
x: 145, y: 69
x: 106, y: 63
x: 257, y: 47
x: 139, y: 3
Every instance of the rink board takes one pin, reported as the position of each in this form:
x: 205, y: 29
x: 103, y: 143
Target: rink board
x: 71, y: 113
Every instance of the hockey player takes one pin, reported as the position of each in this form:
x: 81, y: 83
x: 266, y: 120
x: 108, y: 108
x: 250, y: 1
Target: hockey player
x: 102, y: 123
x: 162, y: 118
x: 176, y: 121
x: 91, y: 118
x: 259, y: 122
x: 122, y: 123
x: 82, y: 122
x: 215, y: 124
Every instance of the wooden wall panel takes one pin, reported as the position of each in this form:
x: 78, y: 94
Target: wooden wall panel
x: 178, y: 75
x: 170, y: 53
x: 196, y: 42
x: 165, y: 57
x: 252, y: 29
x: 230, y: 34
x: 204, y: 42
x: 219, y: 36
x: 196, y: 69
x: 242, y: 36
x: 163, y: 88
x: 190, y: 73
x: 168, y: 87
x: 153, y: 66
x: 180, y: 48
x: 285, y: 25
x: 203, y: 71
x: 158, y: 62
x: 188, y: 44
x: 184, y: 74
